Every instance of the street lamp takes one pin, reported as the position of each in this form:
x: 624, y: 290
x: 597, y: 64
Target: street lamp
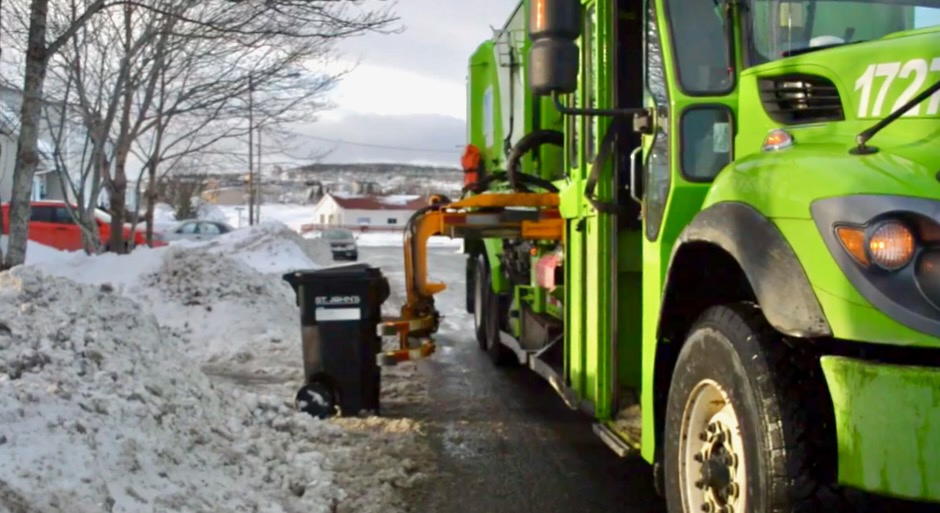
x: 254, y: 203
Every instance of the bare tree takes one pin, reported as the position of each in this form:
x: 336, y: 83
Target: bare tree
x: 179, y: 187
x: 287, y: 30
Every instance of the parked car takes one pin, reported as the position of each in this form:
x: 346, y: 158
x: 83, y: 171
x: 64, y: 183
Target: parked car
x: 342, y: 244
x: 51, y: 224
x: 196, y: 229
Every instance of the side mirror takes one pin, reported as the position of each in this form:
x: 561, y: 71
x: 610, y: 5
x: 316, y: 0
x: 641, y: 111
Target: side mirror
x: 554, y: 25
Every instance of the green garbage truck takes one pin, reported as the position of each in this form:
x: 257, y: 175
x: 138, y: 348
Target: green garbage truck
x: 745, y: 288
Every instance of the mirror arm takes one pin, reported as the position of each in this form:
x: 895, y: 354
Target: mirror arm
x: 642, y: 117
x: 595, y: 112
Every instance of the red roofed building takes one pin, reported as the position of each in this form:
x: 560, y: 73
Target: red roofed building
x: 351, y: 210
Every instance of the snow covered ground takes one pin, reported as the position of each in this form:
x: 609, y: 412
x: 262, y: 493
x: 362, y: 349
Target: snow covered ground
x: 161, y: 381
x: 294, y: 216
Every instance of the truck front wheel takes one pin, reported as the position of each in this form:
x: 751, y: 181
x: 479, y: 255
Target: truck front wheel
x: 746, y: 420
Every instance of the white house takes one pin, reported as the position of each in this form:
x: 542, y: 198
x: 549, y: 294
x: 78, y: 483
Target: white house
x: 355, y: 211
x: 47, y: 183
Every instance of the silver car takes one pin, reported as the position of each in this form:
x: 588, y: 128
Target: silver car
x: 342, y: 244
x: 197, y: 229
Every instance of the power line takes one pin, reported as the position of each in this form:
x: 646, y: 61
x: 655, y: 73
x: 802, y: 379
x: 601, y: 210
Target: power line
x: 382, y: 146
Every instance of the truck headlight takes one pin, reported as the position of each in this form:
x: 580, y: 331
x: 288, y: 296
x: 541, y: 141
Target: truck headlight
x: 888, y: 244
x: 889, y: 249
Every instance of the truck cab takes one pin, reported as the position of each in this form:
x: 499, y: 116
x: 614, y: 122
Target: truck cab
x: 746, y: 292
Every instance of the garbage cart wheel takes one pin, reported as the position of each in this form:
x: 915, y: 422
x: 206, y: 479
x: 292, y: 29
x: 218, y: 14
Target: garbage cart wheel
x: 481, y: 281
x: 318, y: 398
x: 747, y: 424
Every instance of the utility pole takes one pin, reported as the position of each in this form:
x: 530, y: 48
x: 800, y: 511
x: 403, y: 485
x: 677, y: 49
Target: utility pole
x: 251, y: 157
x: 260, y: 190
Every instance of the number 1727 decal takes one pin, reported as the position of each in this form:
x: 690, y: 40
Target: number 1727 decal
x: 912, y: 75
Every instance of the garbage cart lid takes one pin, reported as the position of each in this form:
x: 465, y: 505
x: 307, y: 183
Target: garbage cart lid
x: 336, y: 272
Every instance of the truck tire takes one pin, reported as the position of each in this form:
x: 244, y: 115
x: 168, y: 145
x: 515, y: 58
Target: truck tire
x: 481, y: 280
x: 747, y: 425
x: 501, y: 355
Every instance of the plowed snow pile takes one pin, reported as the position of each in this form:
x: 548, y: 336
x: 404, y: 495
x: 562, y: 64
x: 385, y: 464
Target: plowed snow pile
x: 272, y: 247
x: 225, y: 309
x: 102, y: 411
x: 225, y: 297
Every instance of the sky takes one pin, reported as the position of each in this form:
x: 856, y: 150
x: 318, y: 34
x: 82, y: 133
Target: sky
x: 406, y: 99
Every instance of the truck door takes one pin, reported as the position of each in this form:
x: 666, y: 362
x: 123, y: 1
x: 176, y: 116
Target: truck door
x: 690, y: 82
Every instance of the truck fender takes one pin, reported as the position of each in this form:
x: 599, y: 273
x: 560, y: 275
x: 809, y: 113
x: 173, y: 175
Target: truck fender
x: 767, y: 260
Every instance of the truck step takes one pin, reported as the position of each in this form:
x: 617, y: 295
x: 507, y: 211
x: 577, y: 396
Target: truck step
x: 510, y: 341
x: 613, y: 440
x: 553, y: 376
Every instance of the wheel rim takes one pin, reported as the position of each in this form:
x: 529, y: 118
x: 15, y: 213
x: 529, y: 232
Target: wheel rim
x: 712, y: 471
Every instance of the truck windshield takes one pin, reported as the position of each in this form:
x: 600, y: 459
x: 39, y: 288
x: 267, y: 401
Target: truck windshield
x: 337, y: 235
x: 779, y: 27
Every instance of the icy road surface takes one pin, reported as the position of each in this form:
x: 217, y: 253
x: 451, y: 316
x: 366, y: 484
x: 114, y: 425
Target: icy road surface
x: 503, y: 439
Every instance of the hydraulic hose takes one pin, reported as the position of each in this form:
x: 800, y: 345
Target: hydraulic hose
x: 530, y: 142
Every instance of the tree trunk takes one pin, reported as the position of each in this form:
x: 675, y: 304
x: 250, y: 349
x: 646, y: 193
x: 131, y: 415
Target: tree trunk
x: 117, y: 194
x: 151, y: 210
x: 117, y: 191
x: 27, y: 156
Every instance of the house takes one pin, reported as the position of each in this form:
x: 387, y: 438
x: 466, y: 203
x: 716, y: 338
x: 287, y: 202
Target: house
x: 366, y: 212
x: 47, y: 183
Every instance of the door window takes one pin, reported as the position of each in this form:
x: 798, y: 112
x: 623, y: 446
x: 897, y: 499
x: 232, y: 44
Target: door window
x: 706, y: 136
x: 209, y: 229
x: 42, y: 214
x: 656, y: 175
x: 63, y: 216
x: 700, y: 46
x: 188, y: 228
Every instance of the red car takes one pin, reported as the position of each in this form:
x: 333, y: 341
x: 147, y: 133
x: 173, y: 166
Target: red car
x: 51, y: 224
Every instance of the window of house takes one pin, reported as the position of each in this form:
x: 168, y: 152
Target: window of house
x: 392, y: 220
x: 363, y: 220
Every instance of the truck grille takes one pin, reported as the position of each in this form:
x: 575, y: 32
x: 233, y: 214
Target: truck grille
x: 796, y: 99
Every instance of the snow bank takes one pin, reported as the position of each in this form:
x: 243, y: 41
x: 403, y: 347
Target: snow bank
x: 224, y: 297
x: 273, y: 247
x: 101, y: 411
x: 36, y: 252
x: 224, y: 308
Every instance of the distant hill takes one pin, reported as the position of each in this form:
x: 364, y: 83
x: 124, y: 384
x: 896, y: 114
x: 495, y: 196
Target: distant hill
x: 380, y: 178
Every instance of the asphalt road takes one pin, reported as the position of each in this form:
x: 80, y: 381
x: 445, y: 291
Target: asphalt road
x: 504, y: 441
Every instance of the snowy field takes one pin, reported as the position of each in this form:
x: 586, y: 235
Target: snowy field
x: 161, y: 381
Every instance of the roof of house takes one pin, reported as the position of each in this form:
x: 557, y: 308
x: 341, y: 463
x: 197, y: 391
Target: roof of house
x: 390, y: 202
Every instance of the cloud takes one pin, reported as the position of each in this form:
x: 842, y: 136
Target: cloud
x: 408, y: 92
x: 439, y: 36
x: 366, y: 137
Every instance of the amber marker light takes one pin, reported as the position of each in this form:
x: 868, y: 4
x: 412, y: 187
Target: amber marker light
x: 891, y: 245
x: 777, y: 140
x: 539, y: 15
x: 853, y: 240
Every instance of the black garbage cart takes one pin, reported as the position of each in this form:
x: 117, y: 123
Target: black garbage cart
x: 340, y: 309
